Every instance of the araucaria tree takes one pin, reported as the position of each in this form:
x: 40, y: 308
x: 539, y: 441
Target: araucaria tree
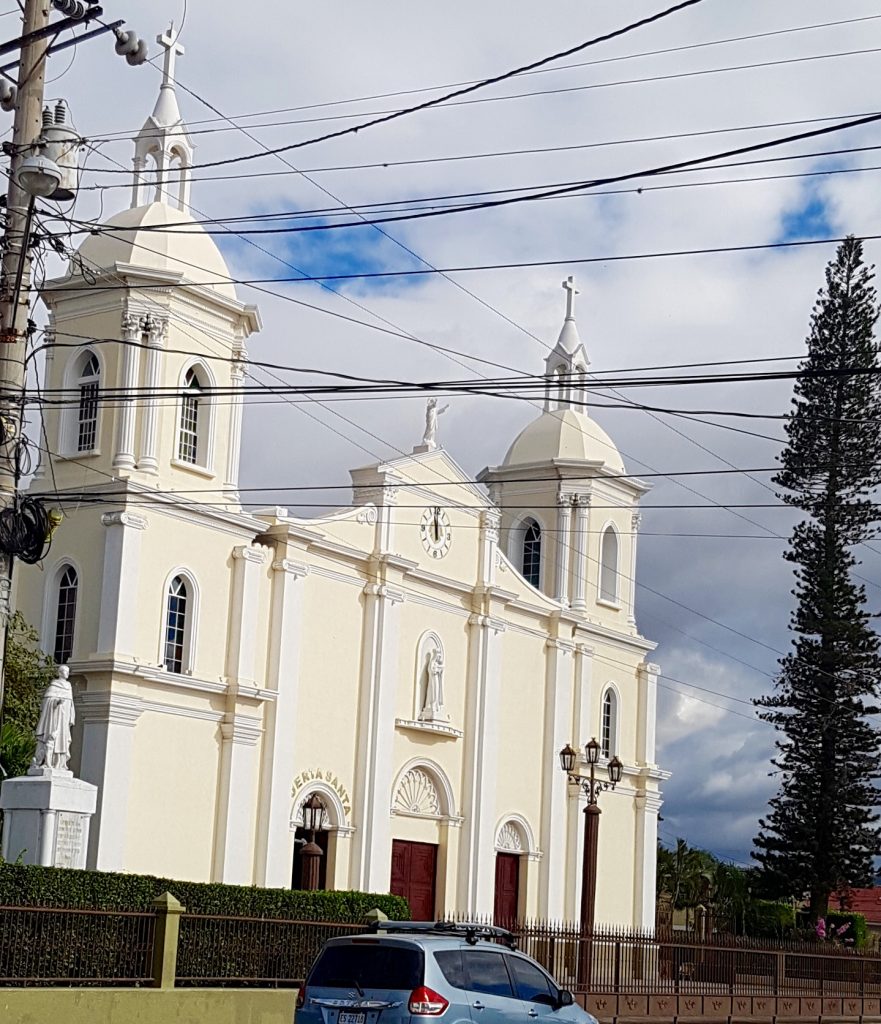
x: 822, y: 829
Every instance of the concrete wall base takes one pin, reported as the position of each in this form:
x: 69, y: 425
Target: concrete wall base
x: 147, y: 1006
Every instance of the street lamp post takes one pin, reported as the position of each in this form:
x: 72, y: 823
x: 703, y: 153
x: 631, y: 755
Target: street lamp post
x: 592, y: 787
x: 311, y: 854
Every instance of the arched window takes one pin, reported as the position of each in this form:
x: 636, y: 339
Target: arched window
x: 609, y: 724
x: 65, y: 617
x: 176, y: 625
x: 609, y: 565
x: 531, y: 562
x: 188, y: 448
x: 88, y: 381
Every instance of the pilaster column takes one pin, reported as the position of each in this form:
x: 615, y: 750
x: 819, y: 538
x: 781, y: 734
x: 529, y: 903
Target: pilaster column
x: 564, y: 523
x: 157, y: 331
x: 476, y: 857
x: 372, y: 850
x: 490, y: 520
x: 242, y: 643
x: 582, y: 508
x: 109, y: 721
x: 234, y: 837
x: 646, y: 712
x: 124, y: 455
x: 635, y: 520
x: 139, y: 164
x: 274, y: 838
x: 119, y: 614
x: 234, y: 442
x: 646, y: 807
x: 557, y: 733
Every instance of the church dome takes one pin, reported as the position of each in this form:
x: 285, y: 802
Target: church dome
x: 564, y: 434
x: 185, y: 250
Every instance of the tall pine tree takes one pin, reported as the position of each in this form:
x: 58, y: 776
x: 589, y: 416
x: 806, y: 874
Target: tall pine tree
x: 822, y: 830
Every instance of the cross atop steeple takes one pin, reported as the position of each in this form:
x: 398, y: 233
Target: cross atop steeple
x: 173, y: 49
x: 571, y: 292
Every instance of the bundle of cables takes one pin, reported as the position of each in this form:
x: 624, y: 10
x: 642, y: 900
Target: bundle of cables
x: 25, y: 529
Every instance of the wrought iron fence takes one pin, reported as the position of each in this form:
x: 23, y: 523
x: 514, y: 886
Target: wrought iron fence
x: 48, y: 946
x: 624, y: 961
x: 239, y: 951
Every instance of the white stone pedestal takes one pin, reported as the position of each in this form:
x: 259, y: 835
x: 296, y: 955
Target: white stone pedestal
x: 46, y: 816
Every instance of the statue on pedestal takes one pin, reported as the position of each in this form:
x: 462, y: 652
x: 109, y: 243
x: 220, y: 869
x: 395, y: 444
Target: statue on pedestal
x: 429, y: 438
x: 433, y: 709
x: 57, y: 715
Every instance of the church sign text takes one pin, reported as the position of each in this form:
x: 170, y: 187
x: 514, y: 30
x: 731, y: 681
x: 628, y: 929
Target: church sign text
x: 329, y: 779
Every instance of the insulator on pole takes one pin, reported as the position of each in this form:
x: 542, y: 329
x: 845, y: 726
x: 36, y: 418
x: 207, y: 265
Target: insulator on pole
x: 71, y: 8
x: 8, y: 93
x: 128, y: 45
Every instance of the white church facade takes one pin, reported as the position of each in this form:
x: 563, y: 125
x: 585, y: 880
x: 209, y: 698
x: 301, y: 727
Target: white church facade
x: 416, y: 660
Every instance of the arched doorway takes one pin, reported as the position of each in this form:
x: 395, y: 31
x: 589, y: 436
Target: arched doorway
x: 303, y: 836
x: 514, y: 844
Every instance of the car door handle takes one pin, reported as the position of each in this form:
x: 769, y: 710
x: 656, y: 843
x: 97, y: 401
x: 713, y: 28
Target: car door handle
x: 532, y: 1013
x: 478, y: 1006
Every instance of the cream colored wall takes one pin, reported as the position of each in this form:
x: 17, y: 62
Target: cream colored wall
x: 615, y: 859
x: 173, y: 796
x: 330, y: 665
x: 522, y: 760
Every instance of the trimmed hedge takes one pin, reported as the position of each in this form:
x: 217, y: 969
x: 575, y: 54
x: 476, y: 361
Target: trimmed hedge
x: 766, y: 919
x: 24, y: 885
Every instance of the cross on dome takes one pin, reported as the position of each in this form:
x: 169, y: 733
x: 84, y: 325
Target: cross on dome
x: 571, y: 292
x: 173, y: 50
x: 164, y: 141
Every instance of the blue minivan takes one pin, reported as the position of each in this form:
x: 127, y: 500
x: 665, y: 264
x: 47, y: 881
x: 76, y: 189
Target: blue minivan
x: 405, y: 971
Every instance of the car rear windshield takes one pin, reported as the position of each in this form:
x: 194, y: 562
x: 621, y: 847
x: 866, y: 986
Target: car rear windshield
x: 369, y: 966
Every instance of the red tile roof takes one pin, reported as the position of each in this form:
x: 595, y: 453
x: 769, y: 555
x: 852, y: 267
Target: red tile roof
x: 863, y: 901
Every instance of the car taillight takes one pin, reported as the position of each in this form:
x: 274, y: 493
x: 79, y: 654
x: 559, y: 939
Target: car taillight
x: 301, y: 997
x: 425, y: 1002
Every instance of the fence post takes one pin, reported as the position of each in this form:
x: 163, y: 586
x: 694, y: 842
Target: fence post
x: 168, y: 911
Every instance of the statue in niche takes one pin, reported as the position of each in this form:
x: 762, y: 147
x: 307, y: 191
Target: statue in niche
x: 433, y: 707
x: 429, y: 438
x: 57, y: 715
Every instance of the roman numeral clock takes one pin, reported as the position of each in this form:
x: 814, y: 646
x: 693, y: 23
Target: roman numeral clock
x: 436, y: 532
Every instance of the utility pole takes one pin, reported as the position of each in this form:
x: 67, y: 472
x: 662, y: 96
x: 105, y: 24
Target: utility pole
x: 15, y: 279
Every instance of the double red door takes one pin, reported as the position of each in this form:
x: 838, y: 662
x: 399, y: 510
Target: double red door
x: 507, y: 889
x: 414, y: 872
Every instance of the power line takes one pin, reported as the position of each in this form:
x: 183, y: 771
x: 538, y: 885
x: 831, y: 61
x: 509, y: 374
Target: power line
x: 540, y: 71
x: 529, y: 94
x: 494, y: 80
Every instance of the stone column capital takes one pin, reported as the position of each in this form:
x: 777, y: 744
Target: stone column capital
x: 136, y: 522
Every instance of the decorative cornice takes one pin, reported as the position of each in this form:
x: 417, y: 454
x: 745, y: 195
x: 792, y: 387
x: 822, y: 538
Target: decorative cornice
x: 242, y: 729
x: 487, y: 622
x: 249, y: 553
x: 297, y: 569
x: 136, y: 522
x: 383, y: 590
x: 444, y: 731
x: 556, y: 644
x: 111, y: 708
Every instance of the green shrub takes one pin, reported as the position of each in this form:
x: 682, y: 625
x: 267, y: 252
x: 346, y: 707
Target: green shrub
x: 22, y: 885
x: 767, y: 919
x: 857, y: 931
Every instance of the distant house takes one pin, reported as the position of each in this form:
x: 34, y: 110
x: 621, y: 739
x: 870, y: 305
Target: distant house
x: 866, y: 902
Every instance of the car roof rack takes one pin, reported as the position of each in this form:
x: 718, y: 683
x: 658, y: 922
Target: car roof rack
x: 471, y: 931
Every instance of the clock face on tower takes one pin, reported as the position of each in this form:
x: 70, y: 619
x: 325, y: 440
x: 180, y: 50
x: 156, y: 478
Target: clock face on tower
x: 437, y: 535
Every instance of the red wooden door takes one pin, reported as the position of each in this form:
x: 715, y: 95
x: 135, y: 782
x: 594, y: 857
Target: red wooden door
x: 507, y: 888
x: 414, y: 867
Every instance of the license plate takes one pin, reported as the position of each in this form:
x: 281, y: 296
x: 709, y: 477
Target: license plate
x: 352, y: 1018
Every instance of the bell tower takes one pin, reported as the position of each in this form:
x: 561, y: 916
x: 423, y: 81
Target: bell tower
x: 149, y: 354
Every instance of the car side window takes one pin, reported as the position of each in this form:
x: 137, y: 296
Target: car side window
x: 532, y: 984
x: 450, y: 963
x: 486, y: 972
